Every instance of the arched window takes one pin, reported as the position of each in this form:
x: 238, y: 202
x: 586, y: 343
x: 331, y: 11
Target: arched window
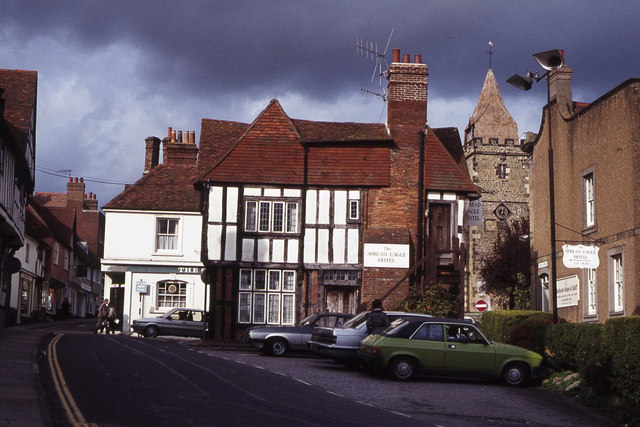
x: 544, y: 292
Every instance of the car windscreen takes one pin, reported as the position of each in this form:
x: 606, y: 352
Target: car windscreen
x: 307, y: 320
x: 354, y: 322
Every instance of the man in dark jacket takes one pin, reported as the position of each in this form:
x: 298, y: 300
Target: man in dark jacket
x: 377, y: 320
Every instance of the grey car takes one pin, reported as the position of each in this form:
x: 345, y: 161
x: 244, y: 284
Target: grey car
x: 278, y: 340
x: 342, y: 343
x: 183, y: 322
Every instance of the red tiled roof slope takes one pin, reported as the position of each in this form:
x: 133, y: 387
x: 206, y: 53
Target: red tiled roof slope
x: 19, y: 90
x: 441, y: 170
x: 164, y: 188
x: 50, y: 199
x: 216, y: 139
x: 272, y: 152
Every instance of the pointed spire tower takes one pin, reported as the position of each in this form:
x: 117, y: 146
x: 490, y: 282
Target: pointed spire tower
x: 500, y: 168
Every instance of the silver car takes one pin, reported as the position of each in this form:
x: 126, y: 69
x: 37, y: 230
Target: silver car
x: 342, y: 343
x: 183, y: 322
x: 278, y: 340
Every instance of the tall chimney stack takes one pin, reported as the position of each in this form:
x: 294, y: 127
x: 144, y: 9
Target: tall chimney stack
x: 151, y: 153
x: 75, y: 193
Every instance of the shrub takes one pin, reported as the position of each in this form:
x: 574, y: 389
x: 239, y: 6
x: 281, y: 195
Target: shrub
x: 530, y: 332
x: 436, y: 300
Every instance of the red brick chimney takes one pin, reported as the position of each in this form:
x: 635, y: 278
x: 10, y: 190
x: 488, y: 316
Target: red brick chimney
x: 151, y: 153
x: 177, y: 152
x: 90, y: 202
x: 75, y: 193
x: 407, y: 109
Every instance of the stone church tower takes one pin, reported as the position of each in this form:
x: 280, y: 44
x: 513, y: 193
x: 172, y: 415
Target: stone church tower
x: 500, y: 169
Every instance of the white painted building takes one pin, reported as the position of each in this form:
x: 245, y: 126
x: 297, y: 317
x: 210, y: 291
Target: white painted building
x: 152, y: 238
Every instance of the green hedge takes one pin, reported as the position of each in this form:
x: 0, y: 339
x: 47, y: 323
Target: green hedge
x: 606, y: 355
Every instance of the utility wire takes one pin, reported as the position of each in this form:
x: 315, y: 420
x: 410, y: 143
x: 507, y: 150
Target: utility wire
x: 60, y: 173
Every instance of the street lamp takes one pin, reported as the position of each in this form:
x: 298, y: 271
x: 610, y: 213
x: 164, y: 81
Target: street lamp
x: 549, y: 60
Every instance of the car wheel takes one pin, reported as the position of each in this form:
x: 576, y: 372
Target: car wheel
x: 151, y: 331
x: 515, y: 374
x: 402, y: 368
x: 277, y: 347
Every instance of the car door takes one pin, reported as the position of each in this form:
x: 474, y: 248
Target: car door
x: 428, y: 344
x: 180, y: 322
x: 466, y: 352
x: 194, y: 325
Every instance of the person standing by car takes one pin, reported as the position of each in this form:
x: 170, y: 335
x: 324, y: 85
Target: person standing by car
x: 112, y: 318
x: 377, y: 319
x: 103, y: 312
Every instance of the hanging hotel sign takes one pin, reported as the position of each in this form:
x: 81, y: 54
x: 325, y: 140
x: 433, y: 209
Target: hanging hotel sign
x: 568, y: 291
x: 474, y: 216
x: 580, y: 256
x: 386, y: 255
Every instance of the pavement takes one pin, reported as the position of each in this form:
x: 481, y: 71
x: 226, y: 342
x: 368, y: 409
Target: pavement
x: 22, y: 400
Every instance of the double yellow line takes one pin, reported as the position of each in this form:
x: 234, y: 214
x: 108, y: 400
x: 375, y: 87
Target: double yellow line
x: 74, y: 415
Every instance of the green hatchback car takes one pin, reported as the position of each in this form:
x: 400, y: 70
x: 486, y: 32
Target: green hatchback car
x: 447, y: 347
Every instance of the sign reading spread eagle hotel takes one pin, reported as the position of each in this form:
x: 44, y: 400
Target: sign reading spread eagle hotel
x: 386, y: 255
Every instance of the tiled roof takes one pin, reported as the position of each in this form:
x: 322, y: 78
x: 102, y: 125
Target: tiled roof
x: 164, y: 188
x: 345, y: 153
x: 216, y: 139
x: 50, y: 199
x: 340, y: 132
x: 442, y: 172
x: 59, y: 220
x: 450, y: 138
x: 19, y: 96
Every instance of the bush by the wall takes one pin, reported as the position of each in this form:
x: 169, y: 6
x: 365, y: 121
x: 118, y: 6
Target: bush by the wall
x: 621, y: 354
x: 530, y: 331
x: 497, y: 325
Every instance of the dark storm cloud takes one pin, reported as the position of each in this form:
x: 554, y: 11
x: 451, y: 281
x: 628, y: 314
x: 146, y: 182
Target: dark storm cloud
x: 113, y: 72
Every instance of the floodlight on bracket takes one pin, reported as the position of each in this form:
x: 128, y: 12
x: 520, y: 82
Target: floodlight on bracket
x: 549, y: 60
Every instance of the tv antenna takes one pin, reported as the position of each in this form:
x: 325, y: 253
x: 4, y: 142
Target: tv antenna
x: 370, y: 50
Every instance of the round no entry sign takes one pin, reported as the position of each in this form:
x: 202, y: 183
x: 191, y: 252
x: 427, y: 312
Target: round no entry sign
x: 481, y: 305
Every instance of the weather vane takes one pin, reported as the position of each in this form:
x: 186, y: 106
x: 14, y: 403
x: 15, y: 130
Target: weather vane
x: 490, y: 52
x: 370, y: 49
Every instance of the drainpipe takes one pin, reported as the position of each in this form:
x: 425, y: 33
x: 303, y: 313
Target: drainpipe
x: 421, y: 208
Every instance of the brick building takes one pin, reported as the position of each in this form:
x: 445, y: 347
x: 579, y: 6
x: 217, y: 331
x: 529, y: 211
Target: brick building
x: 500, y: 169
x: 18, y: 105
x: 597, y: 202
x: 302, y: 216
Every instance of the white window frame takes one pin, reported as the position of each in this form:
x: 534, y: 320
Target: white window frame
x: 589, y: 198
x: 545, y: 293
x: 616, y: 280
x: 167, y: 298
x: 56, y: 252
x: 251, y: 215
x: 591, y: 275
x: 271, y: 216
x: 272, y: 301
x: 354, y: 205
x: 167, y: 235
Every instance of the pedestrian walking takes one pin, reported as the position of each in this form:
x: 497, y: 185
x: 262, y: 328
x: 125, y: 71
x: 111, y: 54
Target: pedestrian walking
x: 66, y: 309
x: 103, y: 312
x: 112, y: 318
x: 377, y: 319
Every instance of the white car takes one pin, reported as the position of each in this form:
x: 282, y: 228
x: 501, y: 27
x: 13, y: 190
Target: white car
x: 342, y: 343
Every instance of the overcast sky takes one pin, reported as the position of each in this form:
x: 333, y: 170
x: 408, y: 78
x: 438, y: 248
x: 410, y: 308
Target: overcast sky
x: 111, y: 73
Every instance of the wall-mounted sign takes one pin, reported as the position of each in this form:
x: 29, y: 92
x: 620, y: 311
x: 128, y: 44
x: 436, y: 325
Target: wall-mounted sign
x: 580, y: 256
x: 386, y: 255
x: 142, y: 287
x: 502, y: 212
x: 474, y: 216
x: 568, y: 291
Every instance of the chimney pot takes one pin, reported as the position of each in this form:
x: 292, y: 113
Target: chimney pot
x: 173, y: 136
x: 70, y: 179
x: 192, y: 137
x: 170, y: 130
x: 75, y: 179
x: 406, y: 58
x: 179, y: 136
x: 396, y: 55
x: 417, y: 59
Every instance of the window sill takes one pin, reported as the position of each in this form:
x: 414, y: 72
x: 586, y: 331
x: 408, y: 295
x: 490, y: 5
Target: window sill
x: 170, y: 254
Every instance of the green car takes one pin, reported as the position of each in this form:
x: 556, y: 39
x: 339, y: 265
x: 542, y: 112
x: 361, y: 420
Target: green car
x: 446, y: 347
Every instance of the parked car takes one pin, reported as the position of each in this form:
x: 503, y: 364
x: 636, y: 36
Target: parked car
x: 184, y: 322
x: 446, y: 347
x: 342, y: 343
x: 278, y: 340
